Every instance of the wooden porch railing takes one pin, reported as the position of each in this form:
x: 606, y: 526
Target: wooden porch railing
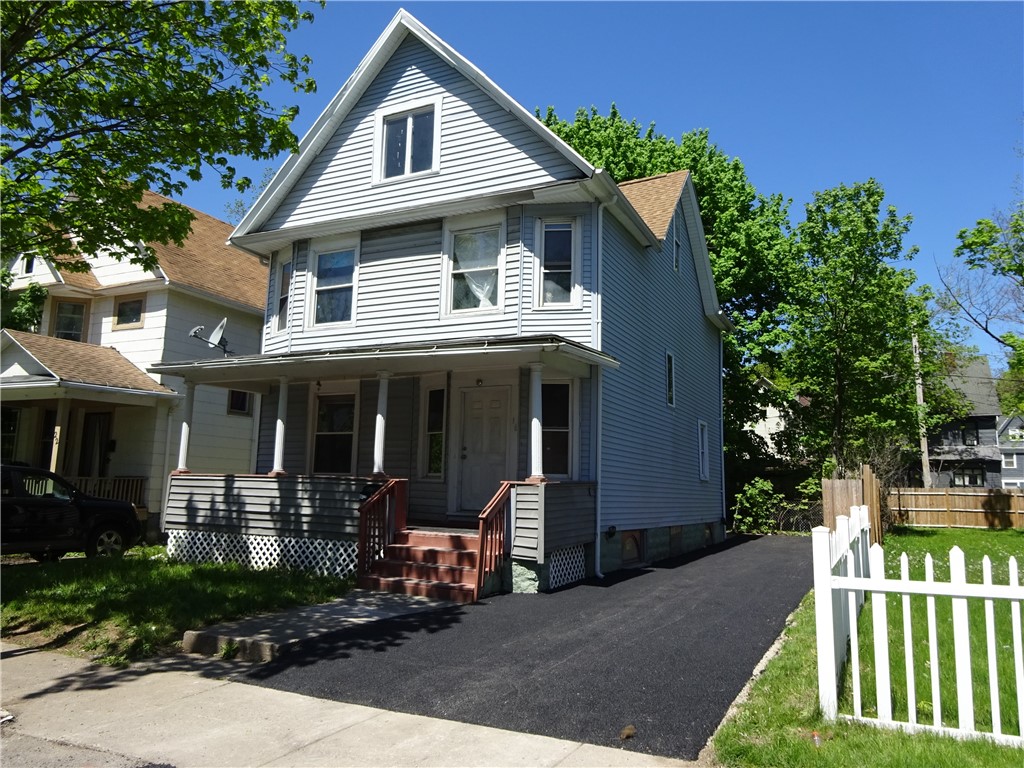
x: 379, y: 517
x: 491, y: 552
x: 131, y: 489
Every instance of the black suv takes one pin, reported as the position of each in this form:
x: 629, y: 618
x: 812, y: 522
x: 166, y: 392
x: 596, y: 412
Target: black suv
x: 46, y: 516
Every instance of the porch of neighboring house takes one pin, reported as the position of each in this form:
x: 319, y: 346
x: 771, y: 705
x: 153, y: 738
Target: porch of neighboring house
x: 401, y: 476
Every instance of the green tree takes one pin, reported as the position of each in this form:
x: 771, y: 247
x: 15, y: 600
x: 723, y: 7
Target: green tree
x: 847, y: 341
x: 20, y: 310
x: 748, y: 239
x: 990, y: 294
x: 102, y: 101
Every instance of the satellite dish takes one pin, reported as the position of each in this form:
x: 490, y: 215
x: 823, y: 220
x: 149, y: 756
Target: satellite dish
x: 216, y: 338
x: 218, y: 334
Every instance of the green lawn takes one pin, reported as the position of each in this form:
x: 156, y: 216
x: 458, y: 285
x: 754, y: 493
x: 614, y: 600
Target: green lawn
x: 777, y: 725
x: 120, y: 610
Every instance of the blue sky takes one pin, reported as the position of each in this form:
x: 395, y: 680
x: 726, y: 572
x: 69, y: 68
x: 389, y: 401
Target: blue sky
x: 926, y: 97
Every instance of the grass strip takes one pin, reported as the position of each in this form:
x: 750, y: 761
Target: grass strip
x: 780, y: 724
x: 121, y: 610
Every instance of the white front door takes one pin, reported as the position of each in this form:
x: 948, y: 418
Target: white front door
x: 484, y: 445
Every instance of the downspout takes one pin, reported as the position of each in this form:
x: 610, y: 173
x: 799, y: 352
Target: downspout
x: 721, y: 423
x: 599, y: 395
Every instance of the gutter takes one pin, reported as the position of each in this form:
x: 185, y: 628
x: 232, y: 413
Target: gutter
x: 599, y: 395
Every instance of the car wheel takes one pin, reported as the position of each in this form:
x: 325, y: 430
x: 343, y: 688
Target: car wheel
x: 46, y: 557
x: 105, y: 541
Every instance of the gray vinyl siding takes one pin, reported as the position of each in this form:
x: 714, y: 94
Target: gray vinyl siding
x: 296, y: 430
x: 400, y: 432
x: 650, y: 472
x: 299, y: 506
x: 484, y: 149
x: 526, y: 538
x: 569, y: 514
x: 1009, y: 447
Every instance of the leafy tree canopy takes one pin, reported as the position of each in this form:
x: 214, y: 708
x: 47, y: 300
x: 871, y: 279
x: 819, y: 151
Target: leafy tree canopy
x: 747, y: 236
x: 20, y: 310
x: 102, y: 101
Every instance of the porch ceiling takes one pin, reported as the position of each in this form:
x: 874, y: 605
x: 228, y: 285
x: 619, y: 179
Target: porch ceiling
x: 256, y: 372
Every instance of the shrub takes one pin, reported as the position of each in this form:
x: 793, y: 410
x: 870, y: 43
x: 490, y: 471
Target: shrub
x: 757, y: 507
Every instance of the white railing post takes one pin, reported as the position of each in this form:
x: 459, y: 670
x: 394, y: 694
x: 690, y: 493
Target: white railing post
x: 824, y: 628
x: 961, y: 643
x: 1018, y: 642
x: 880, y: 630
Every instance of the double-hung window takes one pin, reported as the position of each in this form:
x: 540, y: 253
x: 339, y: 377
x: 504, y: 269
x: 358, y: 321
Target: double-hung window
x: 557, y: 259
x: 69, y: 320
x: 333, y: 286
x: 408, y: 140
x: 284, y: 285
x: 703, y: 457
x: 969, y: 476
x: 475, y: 269
x: 556, y: 431
x: 333, y: 442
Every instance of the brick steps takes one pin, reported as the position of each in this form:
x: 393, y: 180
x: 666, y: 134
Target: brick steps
x: 428, y: 563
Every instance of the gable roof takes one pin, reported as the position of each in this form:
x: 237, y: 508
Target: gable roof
x: 401, y: 26
x: 978, y: 386
x: 656, y: 199
x: 63, y: 361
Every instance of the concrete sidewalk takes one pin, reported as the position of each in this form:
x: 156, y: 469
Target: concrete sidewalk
x: 186, y: 711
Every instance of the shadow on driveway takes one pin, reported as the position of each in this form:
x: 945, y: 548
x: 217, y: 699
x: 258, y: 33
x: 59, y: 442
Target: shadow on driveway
x: 665, y: 648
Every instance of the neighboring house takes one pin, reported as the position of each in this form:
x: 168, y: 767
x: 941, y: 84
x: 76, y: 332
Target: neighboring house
x: 458, y: 299
x: 76, y: 396
x: 1011, y: 448
x: 966, y: 452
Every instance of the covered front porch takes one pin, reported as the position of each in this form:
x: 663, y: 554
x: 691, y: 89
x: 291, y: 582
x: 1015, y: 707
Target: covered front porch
x: 491, y: 437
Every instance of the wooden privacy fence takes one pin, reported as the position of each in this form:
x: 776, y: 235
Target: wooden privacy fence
x: 839, y: 496
x: 841, y: 578
x: 958, y: 507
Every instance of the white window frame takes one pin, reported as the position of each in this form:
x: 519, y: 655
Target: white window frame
x: 1009, y: 461
x: 325, y: 390
x: 118, y: 300
x: 573, y: 437
x: 324, y: 249
x: 964, y: 473
x: 576, y: 289
x: 248, y: 403
x: 1015, y: 435
x: 466, y: 225
x: 280, y: 321
x: 703, y: 455
x: 670, y: 379
x: 1013, y: 483
x: 430, y: 384
x: 405, y: 109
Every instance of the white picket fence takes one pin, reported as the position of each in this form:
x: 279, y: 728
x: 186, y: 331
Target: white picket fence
x: 845, y: 568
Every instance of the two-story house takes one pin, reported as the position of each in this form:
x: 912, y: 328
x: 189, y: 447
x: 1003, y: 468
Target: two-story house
x: 76, y: 395
x: 966, y: 452
x: 470, y: 321
x: 1011, y: 449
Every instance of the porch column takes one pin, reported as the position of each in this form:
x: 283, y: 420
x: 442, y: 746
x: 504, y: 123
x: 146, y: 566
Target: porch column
x: 536, y: 424
x: 186, y: 427
x: 60, y: 432
x: 382, y: 416
x: 279, y: 430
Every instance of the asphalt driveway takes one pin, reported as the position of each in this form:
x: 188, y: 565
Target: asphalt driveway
x: 665, y: 649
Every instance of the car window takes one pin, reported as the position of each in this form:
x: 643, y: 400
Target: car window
x: 45, y: 486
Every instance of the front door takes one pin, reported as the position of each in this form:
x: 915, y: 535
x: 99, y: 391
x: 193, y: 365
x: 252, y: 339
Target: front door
x: 484, y: 445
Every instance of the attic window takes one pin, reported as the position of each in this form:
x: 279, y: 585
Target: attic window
x: 407, y: 141
x: 129, y: 312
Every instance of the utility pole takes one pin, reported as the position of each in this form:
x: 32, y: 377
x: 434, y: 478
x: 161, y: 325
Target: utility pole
x: 926, y: 472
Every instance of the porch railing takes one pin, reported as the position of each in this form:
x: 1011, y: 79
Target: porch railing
x: 379, y: 517
x: 131, y: 489
x: 491, y: 552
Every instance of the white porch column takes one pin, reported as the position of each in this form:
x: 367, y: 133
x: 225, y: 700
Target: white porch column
x: 381, y: 426
x: 536, y: 424
x: 279, y: 430
x: 60, y: 431
x: 186, y: 427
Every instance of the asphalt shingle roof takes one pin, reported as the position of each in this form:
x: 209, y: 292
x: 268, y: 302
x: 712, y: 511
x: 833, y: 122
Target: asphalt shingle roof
x: 655, y: 199
x: 75, y: 361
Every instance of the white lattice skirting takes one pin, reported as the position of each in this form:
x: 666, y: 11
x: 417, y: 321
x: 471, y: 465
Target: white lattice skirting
x: 329, y: 557
x: 566, y: 566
